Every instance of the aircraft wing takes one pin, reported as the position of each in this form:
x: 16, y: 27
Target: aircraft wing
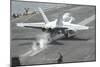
x: 37, y: 24
x: 74, y: 27
x: 31, y: 25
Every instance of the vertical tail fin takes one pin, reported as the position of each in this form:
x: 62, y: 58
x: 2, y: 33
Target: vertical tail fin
x: 72, y: 19
x: 60, y: 19
x: 43, y: 15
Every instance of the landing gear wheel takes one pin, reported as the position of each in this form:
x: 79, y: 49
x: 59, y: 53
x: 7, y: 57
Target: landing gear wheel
x: 66, y: 35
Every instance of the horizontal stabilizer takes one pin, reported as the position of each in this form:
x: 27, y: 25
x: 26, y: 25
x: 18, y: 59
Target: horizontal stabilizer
x: 31, y: 25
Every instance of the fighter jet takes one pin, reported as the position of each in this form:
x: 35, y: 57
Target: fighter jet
x: 63, y: 24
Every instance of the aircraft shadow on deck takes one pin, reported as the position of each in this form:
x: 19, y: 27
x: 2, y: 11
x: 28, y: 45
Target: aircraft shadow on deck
x: 73, y: 38
x: 56, y: 43
x: 64, y: 38
x: 30, y: 43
